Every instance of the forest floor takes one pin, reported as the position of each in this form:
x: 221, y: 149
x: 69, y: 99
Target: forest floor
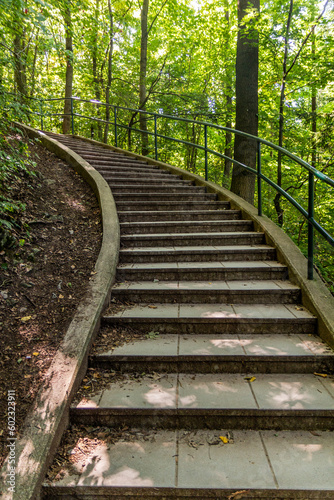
x: 43, y: 280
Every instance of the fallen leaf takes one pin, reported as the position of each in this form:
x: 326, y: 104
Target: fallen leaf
x: 25, y: 318
x: 153, y: 307
x: 35, y: 353
x: 224, y: 439
x: 61, y: 296
x: 323, y: 375
x: 314, y: 433
x: 86, y: 387
x: 250, y: 379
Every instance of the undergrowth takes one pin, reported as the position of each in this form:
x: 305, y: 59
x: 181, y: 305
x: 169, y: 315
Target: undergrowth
x: 15, y: 167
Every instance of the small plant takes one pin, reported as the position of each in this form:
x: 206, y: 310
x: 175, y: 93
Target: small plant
x: 152, y: 335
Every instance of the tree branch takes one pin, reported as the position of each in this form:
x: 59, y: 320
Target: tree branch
x: 306, y: 39
x: 158, y: 14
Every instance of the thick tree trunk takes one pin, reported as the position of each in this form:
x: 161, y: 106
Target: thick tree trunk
x: 69, y: 71
x: 109, y: 78
x: 142, y: 76
x: 243, y: 182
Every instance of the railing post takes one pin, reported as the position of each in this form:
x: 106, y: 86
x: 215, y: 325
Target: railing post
x: 41, y: 111
x: 310, y: 238
x: 155, y: 136
x: 115, y: 124
x: 72, y: 116
x: 206, y: 150
x: 259, y: 180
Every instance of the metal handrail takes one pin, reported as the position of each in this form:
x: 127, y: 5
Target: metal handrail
x: 313, y: 172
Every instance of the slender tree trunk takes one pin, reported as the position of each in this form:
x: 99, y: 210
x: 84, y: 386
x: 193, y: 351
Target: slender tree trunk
x: 109, y: 78
x: 69, y: 71
x: 228, y: 92
x: 277, y: 203
x: 96, y: 79
x: 20, y: 77
x: 142, y: 76
x: 33, y: 70
x: 314, y: 109
x: 243, y: 182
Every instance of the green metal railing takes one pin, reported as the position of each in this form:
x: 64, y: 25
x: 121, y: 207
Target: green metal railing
x: 313, y: 173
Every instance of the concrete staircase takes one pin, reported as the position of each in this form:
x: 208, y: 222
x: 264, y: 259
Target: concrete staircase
x: 222, y: 389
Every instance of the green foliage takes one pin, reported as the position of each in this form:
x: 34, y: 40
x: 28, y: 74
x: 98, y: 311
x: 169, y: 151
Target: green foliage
x: 15, y: 165
x: 190, y: 74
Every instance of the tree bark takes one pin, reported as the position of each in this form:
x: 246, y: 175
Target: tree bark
x: 69, y: 70
x: 314, y: 109
x: 142, y: 76
x: 228, y: 97
x: 95, y: 70
x: 109, y: 77
x: 20, y: 77
x: 243, y: 182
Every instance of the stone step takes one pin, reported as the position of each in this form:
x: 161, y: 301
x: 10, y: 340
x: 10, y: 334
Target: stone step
x: 171, y: 205
x: 213, y: 318
x: 185, y: 226
x: 110, y: 157
x: 148, y: 180
x: 200, y: 271
x: 215, y: 354
x: 205, y: 253
x: 194, y: 239
x: 126, y: 162
x: 122, y: 169
x: 163, y: 197
x: 143, y: 175
x: 198, y: 292
x: 152, y: 189
x: 194, y: 464
x: 185, y: 215
x: 238, y: 400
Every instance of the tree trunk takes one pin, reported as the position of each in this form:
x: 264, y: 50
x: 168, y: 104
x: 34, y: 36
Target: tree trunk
x: 228, y: 97
x: 95, y: 70
x: 109, y: 78
x: 142, y: 76
x: 314, y: 110
x: 69, y: 71
x: 33, y: 69
x: 20, y: 77
x: 243, y: 182
x: 277, y: 203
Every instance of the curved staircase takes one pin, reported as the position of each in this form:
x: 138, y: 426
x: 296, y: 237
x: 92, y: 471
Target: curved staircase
x: 224, y: 388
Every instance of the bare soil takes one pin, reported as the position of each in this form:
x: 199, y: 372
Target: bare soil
x: 43, y: 281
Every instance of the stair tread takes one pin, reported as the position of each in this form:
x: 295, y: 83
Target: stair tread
x: 221, y: 345
x: 202, y: 249
x: 269, y: 285
x: 202, y: 266
x: 189, y: 235
x: 259, y: 461
x: 186, y: 223
x: 216, y: 391
x: 214, y: 312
